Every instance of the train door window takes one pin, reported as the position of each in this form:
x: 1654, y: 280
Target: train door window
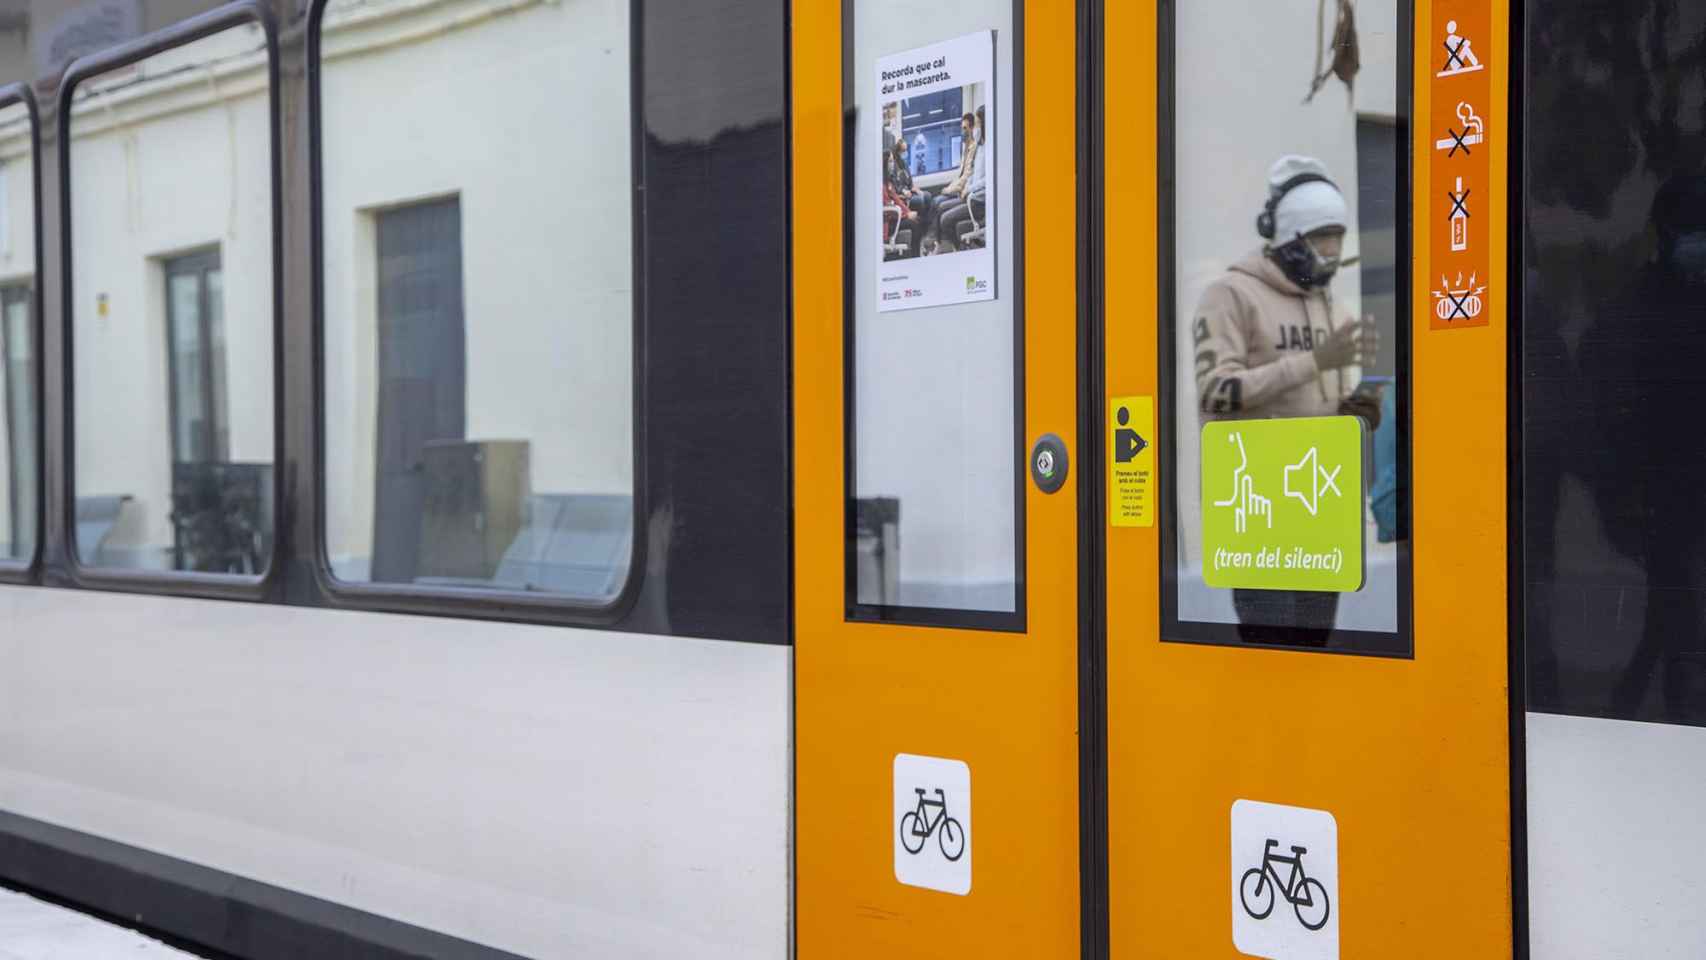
x: 935, y: 467
x: 1284, y: 281
x: 480, y: 271
x: 172, y: 307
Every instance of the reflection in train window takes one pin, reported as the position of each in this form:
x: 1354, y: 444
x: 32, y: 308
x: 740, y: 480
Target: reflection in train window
x: 479, y: 294
x: 18, y: 420
x: 172, y: 309
x: 1287, y: 289
x: 1614, y: 361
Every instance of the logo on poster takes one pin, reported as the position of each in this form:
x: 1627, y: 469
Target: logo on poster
x: 974, y: 285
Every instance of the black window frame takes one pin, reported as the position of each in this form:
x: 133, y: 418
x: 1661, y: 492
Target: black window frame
x: 1002, y: 621
x: 1398, y: 644
x: 174, y: 582
x: 482, y: 603
x: 28, y: 569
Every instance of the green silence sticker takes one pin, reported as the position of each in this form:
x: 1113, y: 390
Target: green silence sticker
x: 1282, y: 504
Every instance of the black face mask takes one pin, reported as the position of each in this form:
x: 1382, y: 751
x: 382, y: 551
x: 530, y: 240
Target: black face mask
x: 1302, y: 265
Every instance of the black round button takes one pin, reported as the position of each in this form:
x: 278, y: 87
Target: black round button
x: 1049, y: 463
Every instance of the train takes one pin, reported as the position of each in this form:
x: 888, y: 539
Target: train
x: 777, y: 478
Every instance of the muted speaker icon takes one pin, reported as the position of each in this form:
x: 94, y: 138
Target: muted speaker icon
x: 1316, y: 481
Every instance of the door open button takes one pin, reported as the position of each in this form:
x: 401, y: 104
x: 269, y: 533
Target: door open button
x: 1049, y: 463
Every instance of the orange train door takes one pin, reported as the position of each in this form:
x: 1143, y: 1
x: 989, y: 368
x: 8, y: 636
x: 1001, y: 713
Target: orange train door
x: 937, y: 319
x: 1307, y: 720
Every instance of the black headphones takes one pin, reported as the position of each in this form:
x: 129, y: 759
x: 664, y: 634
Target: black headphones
x: 1265, y: 219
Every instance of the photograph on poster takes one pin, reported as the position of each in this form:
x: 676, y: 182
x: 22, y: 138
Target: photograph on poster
x: 937, y: 181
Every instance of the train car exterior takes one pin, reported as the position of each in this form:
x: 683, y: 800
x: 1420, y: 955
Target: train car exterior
x: 877, y: 478
x: 551, y: 720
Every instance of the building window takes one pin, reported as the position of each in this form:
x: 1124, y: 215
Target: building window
x: 423, y: 409
x: 195, y: 324
x: 17, y: 366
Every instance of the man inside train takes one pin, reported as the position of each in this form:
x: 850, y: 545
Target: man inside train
x: 1270, y: 341
x: 968, y: 212
x: 952, y: 193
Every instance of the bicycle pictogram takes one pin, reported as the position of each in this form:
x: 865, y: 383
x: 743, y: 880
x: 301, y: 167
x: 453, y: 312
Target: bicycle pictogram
x: 1307, y: 896
x: 917, y: 826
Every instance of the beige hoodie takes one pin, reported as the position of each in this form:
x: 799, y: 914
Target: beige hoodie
x: 1254, y: 334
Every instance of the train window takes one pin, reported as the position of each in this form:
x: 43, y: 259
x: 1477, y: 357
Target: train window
x: 480, y: 276
x: 1614, y: 345
x: 1285, y: 233
x: 19, y: 422
x: 172, y: 308
x: 934, y: 444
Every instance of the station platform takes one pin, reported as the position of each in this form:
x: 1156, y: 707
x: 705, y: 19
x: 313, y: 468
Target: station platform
x: 31, y: 929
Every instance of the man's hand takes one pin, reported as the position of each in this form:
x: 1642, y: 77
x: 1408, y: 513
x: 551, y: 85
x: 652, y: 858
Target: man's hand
x: 1351, y: 343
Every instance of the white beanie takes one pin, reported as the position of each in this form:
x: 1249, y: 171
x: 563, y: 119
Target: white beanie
x: 1307, y: 207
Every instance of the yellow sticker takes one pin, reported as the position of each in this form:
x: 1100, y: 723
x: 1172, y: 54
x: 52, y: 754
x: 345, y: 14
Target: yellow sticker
x: 1131, y: 461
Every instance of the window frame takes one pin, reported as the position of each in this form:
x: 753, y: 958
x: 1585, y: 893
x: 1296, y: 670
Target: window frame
x: 1003, y: 621
x: 28, y: 570
x: 175, y: 582
x: 1398, y: 644
x: 478, y: 602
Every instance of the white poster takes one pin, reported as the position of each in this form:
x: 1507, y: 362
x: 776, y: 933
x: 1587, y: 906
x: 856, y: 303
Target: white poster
x: 937, y: 182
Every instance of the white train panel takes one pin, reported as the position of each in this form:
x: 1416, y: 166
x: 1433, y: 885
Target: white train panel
x: 553, y: 792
